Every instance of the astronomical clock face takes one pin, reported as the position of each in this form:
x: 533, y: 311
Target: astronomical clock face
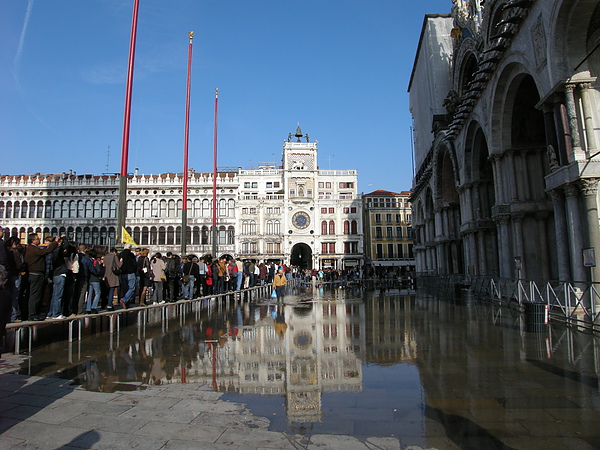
x: 301, y: 220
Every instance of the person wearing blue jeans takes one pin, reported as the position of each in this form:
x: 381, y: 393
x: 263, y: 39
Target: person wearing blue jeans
x: 93, y: 297
x: 58, y: 288
x: 130, y: 289
x: 128, y: 273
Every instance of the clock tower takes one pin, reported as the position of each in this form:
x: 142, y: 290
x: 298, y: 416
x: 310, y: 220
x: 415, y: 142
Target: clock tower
x: 299, y: 173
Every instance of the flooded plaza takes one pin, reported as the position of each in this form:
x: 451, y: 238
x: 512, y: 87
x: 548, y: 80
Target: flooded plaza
x: 431, y: 372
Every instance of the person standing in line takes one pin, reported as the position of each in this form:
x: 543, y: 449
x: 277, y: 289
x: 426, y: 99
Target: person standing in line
x: 144, y: 271
x: 111, y: 264
x: 279, y: 283
x: 201, y: 289
x: 128, y: 271
x: 15, y: 262
x: 158, y: 272
x: 262, y: 275
x: 5, y: 303
x: 240, y: 274
x: 59, y: 279
x: 95, y: 273
x: 35, y: 260
x: 221, y: 273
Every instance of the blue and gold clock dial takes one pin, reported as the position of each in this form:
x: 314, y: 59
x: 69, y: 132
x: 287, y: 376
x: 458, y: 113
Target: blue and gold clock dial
x: 301, y: 220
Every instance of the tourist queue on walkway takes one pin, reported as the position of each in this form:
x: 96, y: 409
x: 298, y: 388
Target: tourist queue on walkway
x: 58, y: 278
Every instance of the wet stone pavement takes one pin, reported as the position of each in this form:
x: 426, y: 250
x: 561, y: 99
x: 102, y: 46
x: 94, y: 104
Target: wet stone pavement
x: 332, y: 368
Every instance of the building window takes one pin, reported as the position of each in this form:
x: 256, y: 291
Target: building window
x: 276, y: 184
x: 292, y: 192
x: 410, y: 251
x: 331, y: 210
x: 409, y: 233
x: 332, y: 247
x: 247, y: 185
x: 324, y: 247
x: 323, y: 210
x: 328, y: 185
x: 354, y: 227
x: 408, y: 218
x: 346, y: 227
x: 388, y: 218
x: 379, y: 251
x: 378, y: 218
x: 346, y: 210
x: 400, y: 248
x: 269, y: 184
x: 321, y: 185
x: 324, y: 227
x: 331, y: 227
x: 378, y: 233
x: 390, y: 250
x: 389, y: 232
x: 399, y: 232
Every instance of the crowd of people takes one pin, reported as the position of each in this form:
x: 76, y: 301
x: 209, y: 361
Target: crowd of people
x: 57, y: 278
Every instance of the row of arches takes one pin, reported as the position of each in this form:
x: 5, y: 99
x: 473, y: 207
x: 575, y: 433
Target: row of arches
x: 107, y: 208
x: 495, y: 196
x: 143, y: 236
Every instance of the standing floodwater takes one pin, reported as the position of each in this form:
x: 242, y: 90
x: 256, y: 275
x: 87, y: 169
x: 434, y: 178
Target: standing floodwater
x: 432, y: 372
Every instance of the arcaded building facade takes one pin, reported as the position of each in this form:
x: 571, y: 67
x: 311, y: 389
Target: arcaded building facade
x: 505, y: 102
x: 294, y: 212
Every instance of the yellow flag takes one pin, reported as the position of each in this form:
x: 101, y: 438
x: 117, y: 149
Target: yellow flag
x: 127, y: 239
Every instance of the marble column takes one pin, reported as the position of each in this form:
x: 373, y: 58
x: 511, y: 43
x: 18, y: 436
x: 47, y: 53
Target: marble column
x: 543, y: 245
x: 590, y: 136
x: 482, y: 250
x: 512, y: 177
x: 575, y: 229
x: 589, y: 189
x: 561, y: 125
x: 506, y: 263
x: 499, y: 180
x: 573, y: 125
x: 562, y: 238
x: 519, y: 250
x: 551, y: 137
x: 525, y: 175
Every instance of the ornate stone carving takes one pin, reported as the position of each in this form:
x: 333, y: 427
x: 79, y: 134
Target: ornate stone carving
x: 538, y: 38
x: 552, y: 158
x: 571, y: 190
x: 589, y: 186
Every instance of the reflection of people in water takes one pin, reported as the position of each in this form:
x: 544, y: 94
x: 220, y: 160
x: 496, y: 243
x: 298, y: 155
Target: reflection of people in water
x: 280, y: 325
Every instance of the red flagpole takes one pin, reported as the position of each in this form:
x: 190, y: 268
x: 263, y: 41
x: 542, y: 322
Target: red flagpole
x: 185, y: 150
x: 122, y: 204
x: 214, y: 208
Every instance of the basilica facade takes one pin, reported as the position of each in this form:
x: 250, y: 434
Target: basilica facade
x: 505, y: 102
x: 294, y: 212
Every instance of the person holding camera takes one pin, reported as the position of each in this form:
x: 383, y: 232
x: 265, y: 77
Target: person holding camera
x: 35, y: 261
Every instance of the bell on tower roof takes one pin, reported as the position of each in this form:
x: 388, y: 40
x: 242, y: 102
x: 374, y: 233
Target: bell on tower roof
x: 298, y: 134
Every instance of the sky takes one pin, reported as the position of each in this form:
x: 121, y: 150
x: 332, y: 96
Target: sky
x: 339, y: 68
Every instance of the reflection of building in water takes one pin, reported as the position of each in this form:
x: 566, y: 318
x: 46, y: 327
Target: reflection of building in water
x: 390, y: 335
x: 300, y: 351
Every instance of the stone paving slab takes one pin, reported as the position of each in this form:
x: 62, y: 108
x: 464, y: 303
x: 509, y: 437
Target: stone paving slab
x: 50, y: 413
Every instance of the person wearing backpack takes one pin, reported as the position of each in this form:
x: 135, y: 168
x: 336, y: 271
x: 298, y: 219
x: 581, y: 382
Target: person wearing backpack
x: 128, y: 272
x: 232, y: 272
x: 173, y: 272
